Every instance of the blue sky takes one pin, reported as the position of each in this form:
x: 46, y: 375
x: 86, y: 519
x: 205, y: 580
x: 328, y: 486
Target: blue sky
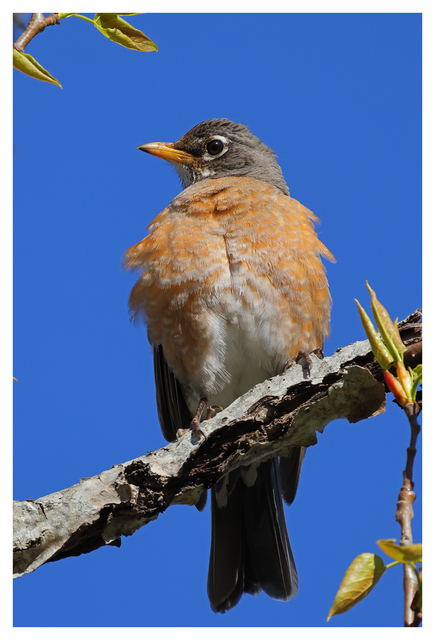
x: 338, y: 97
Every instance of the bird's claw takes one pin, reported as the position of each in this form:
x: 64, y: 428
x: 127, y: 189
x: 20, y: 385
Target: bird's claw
x: 303, y: 358
x: 194, y: 427
x: 211, y: 410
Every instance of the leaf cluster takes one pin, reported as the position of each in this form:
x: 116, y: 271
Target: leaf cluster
x: 367, y: 569
x: 388, y: 350
x: 110, y: 25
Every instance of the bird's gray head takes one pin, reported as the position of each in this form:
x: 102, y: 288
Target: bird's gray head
x: 219, y: 148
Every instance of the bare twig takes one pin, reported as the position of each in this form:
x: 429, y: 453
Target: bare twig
x: 416, y: 603
x: 37, y: 24
x: 405, y: 514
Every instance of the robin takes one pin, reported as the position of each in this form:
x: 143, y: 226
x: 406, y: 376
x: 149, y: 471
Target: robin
x: 231, y: 288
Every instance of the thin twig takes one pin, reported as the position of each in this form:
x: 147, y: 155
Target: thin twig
x: 416, y: 603
x: 37, y: 24
x: 412, y: 411
x: 405, y: 513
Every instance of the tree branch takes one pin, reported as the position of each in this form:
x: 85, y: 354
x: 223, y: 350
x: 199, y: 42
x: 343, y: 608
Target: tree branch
x: 274, y: 416
x: 37, y: 24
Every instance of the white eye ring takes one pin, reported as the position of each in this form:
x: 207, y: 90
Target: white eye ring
x: 208, y: 155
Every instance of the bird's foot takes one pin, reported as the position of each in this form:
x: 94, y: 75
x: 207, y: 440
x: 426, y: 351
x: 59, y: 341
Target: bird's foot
x: 211, y: 410
x: 303, y: 358
x: 193, y: 428
x: 194, y: 425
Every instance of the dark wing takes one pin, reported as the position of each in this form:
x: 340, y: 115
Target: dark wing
x: 171, y: 406
x: 172, y: 409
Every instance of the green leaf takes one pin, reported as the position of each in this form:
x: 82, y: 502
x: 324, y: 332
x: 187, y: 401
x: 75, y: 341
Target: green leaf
x: 358, y: 581
x: 379, y: 349
x: 389, y: 330
x: 27, y: 64
x: 408, y: 553
x: 417, y: 373
x: 119, y: 31
x: 417, y: 377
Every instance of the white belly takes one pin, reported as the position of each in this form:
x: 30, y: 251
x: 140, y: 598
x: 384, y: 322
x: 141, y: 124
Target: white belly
x: 247, y: 345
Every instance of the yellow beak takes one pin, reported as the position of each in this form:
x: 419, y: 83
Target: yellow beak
x: 166, y: 151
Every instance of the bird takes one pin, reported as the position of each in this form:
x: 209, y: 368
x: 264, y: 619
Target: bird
x: 231, y: 287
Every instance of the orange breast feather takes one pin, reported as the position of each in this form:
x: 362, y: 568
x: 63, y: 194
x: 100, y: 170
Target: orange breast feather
x: 230, y: 252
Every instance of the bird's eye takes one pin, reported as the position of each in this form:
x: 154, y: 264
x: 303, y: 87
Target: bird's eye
x: 215, y: 147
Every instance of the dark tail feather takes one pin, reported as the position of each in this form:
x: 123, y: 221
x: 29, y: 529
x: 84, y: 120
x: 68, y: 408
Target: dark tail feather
x: 250, y: 549
x: 266, y: 531
x: 289, y: 473
x: 225, y: 574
